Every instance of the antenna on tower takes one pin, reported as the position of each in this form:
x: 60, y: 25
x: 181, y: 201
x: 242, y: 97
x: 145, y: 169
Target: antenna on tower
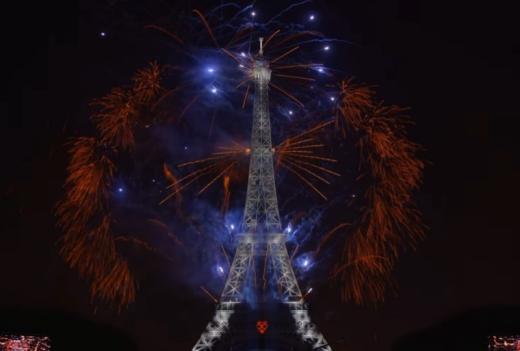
x: 261, y: 52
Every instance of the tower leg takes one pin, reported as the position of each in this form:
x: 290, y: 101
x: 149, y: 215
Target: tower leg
x: 308, y: 330
x: 215, y: 329
x: 231, y: 295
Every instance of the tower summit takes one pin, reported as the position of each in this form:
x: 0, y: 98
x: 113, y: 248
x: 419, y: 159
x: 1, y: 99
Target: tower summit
x: 261, y: 238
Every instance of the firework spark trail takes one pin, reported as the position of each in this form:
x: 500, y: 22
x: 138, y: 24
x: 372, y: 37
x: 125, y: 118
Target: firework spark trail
x: 227, y: 195
x: 163, y: 30
x: 166, y: 229
x: 245, y: 97
x: 290, y: 96
x: 271, y: 37
x: 180, y: 188
x: 294, y: 77
x: 306, y: 170
x: 209, y: 294
x: 303, y: 65
x: 225, y: 255
x: 285, y: 54
x: 329, y: 235
x: 304, y: 145
x: 217, y: 177
x: 220, y: 162
x: 295, y: 251
x: 303, y: 179
x: 208, y: 28
x: 290, y: 37
x: 288, y: 8
x: 239, y: 34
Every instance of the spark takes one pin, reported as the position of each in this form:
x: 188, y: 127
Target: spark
x: 120, y: 190
x: 326, y: 48
x: 253, y: 13
x: 218, y: 165
x: 271, y: 38
x: 291, y: 112
x: 288, y: 52
x: 210, y: 70
x: 232, y: 226
x: 209, y: 294
x: 332, y: 98
x: 290, y: 96
x: 208, y: 28
x: 294, y: 77
x: 297, y: 154
x: 170, y: 34
x: 103, y: 34
x: 243, y: 54
x: 312, y: 18
x: 214, y: 90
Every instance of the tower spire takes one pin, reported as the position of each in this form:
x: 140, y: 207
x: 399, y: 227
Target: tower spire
x: 261, y: 51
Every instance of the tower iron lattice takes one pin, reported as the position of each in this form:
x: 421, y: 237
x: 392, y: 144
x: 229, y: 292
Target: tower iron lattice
x: 262, y: 233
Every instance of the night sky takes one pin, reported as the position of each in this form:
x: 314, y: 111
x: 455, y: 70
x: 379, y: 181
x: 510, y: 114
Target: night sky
x: 453, y: 63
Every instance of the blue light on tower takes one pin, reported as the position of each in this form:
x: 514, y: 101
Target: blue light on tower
x: 220, y: 270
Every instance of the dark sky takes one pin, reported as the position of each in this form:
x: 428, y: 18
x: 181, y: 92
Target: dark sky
x: 453, y: 62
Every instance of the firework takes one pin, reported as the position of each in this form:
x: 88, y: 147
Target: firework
x: 388, y: 165
x: 389, y: 219
x: 299, y: 156
x: 84, y: 214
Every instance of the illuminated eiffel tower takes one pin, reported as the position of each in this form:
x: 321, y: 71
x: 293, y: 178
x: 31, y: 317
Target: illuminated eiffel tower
x: 262, y: 237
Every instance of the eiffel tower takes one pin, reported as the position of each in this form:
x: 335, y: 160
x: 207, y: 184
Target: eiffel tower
x: 262, y: 237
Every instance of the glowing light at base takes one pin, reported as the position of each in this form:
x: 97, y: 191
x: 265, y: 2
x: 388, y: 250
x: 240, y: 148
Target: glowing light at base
x: 24, y: 343
x: 504, y: 343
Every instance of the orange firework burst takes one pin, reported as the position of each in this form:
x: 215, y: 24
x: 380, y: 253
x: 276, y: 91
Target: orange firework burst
x: 299, y: 156
x: 389, y: 220
x: 88, y: 244
x: 83, y: 214
x: 218, y: 165
x: 120, y: 111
